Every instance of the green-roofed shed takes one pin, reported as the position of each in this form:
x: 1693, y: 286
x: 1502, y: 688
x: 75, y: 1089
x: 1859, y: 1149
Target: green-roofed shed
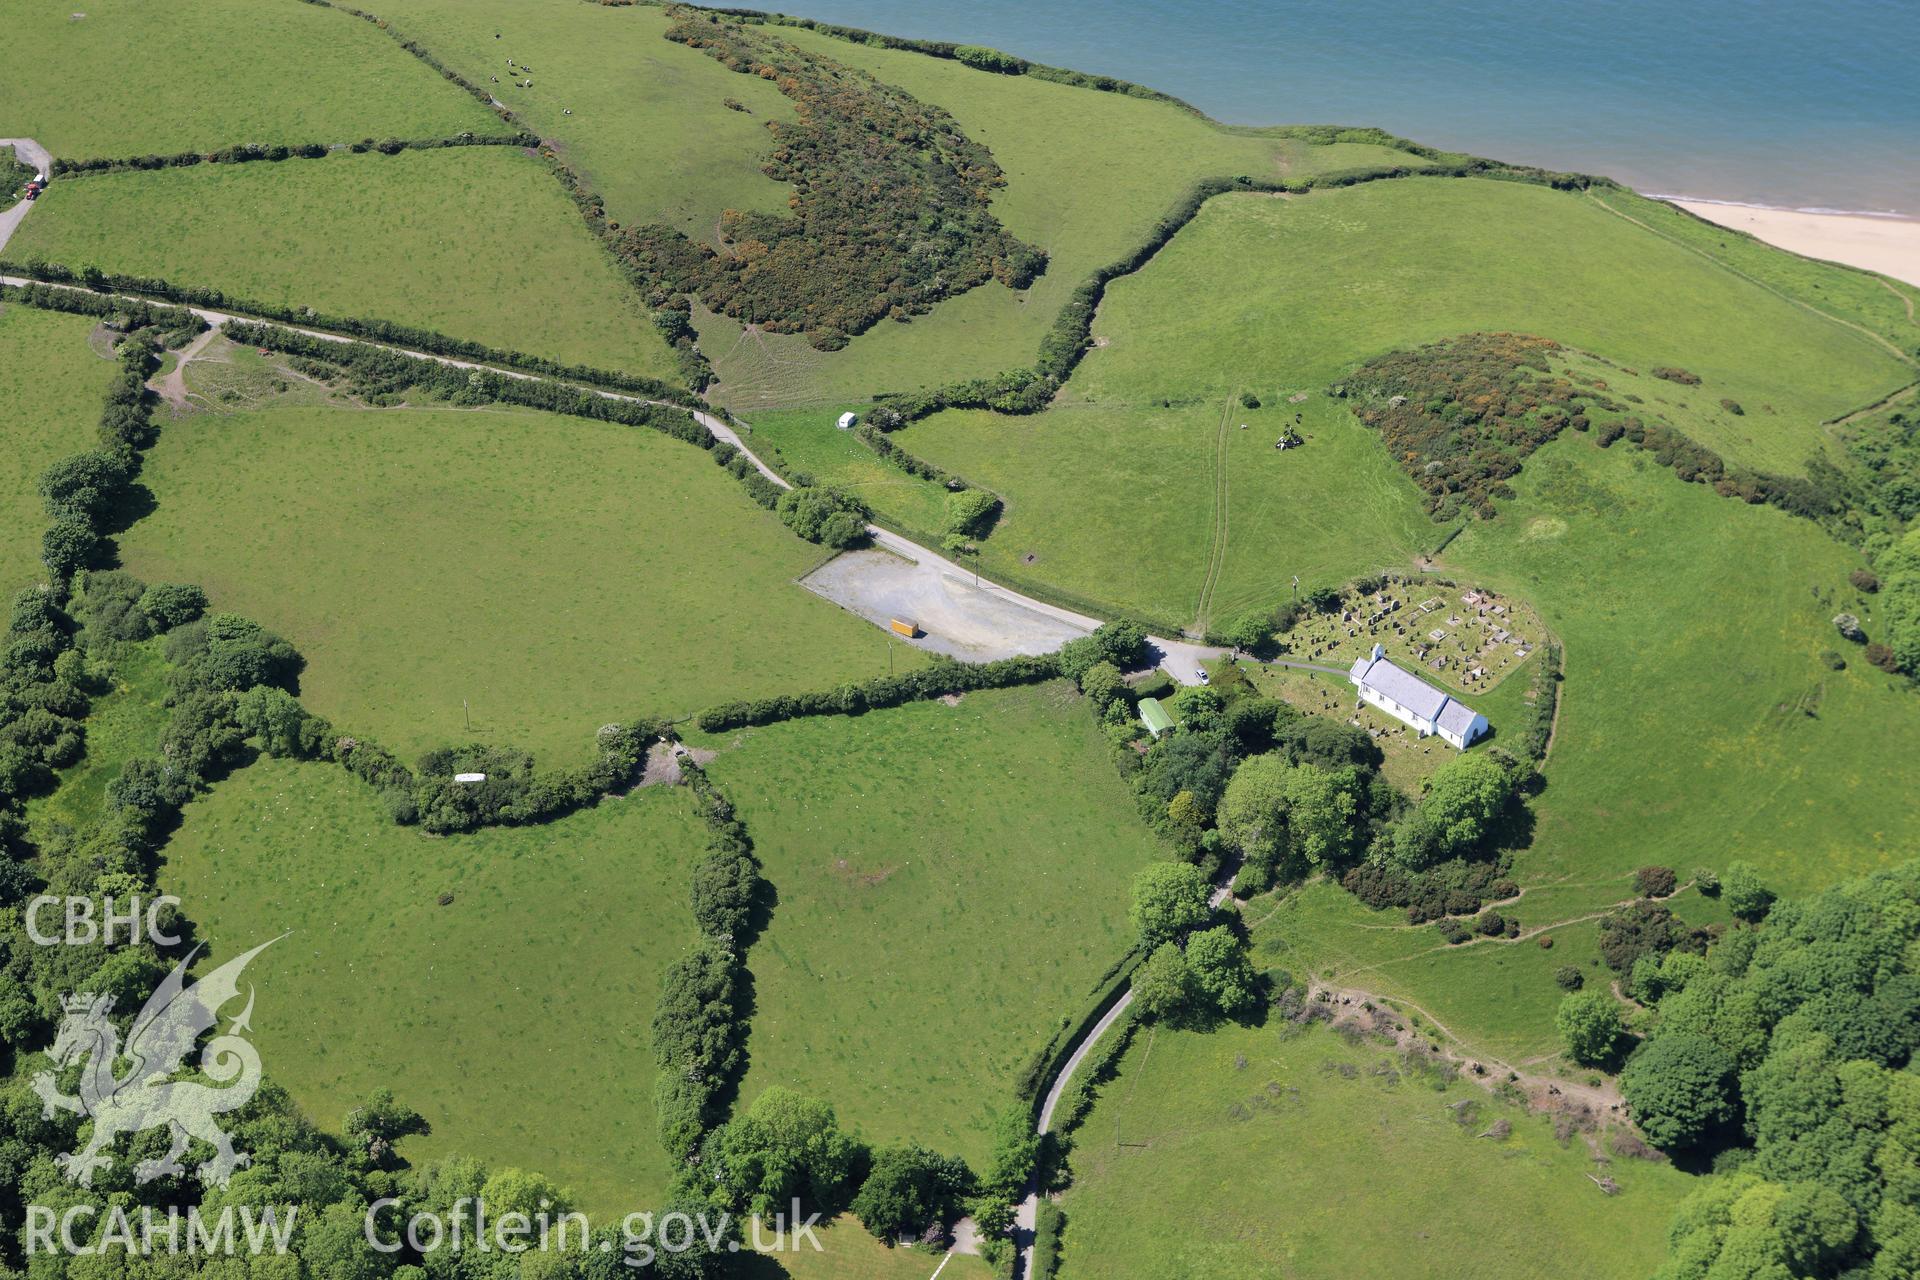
x: 1154, y: 716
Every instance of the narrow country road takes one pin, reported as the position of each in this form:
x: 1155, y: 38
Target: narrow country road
x: 29, y: 152
x: 1178, y: 658
x: 1027, y: 1215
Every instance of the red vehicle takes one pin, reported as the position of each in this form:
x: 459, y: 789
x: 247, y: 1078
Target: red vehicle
x: 34, y: 189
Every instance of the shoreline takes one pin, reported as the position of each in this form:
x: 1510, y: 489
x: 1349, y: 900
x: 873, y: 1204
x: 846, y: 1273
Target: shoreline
x: 1888, y: 243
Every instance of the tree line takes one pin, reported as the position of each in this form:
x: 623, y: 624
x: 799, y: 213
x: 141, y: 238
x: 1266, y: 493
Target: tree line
x: 249, y: 152
x: 370, y: 330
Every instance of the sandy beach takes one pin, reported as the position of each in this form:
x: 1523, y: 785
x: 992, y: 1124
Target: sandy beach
x: 1890, y: 246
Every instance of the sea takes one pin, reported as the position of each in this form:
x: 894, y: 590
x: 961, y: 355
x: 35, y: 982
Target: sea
x: 1812, y: 105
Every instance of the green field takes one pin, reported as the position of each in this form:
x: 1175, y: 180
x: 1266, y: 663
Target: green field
x: 1693, y: 637
x: 847, y: 1252
x: 1249, y: 1153
x: 807, y: 441
x: 481, y: 1013
x: 648, y: 129
x: 948, y: 880
x: 1648, y: 582
x: 1193, y: 498
x: 124, y: 720
x: 553, y: 574
x: 1698, y: 724
x: 1283, y: 296
x: 1087, y: 172
x: 476, y: 242
x: 1880, y: 306
x: 948, y: 890
x: 51, y: 384
x: 127, y: 77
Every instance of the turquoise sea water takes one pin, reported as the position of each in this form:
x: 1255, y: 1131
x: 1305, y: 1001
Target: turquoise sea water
x: 1814, y: 104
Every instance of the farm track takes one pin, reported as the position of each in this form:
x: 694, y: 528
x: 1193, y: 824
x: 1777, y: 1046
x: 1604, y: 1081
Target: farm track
x: 1884, y: 402
x: 1217, y: 552
x: 29, y: 152
x: 1904, y: 297
x: 173, y: 387
x: 1902, y: 356
x: 723, y: 431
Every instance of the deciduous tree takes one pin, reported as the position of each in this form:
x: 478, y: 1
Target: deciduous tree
x: 1169, y: 899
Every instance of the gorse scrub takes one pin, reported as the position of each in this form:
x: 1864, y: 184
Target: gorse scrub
x: 890, y: 204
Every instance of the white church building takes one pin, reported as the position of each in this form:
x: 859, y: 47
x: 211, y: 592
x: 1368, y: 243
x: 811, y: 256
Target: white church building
x: 1407, y: 697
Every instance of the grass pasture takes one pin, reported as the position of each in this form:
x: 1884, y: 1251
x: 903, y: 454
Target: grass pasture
x: 952, y: 886
x: 476, y: 242
x: 648, y: 129
x: 1306, y: 286
x: 515, y: 1019
x: 1156, y: 480
x: 555, y: 573
x: 1338, y: 1171
x: 51, y: 384
x: 1088, y: 173
x: 1876, y: 303
x: 127, y: 77
x: 1281, y: 297
x: 807, y: 441
x: 847, y: 1252
x: 1698, y: 724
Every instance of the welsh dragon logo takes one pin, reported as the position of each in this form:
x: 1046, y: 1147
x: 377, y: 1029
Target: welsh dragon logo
x: 144, y: 1096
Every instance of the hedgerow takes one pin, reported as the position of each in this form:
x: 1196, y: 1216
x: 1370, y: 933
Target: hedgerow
x: 512, y: 794
x: 866, y: 433
x: 45, y: 680
x: 1536, y: 732
x: 372, y: 330
x: 972, y: 55
x: 126, y: 314
x: 1030, y: 390
x: 944, y: 677
x: 700, y: 1024
x: 890, y: 213
x: 674, y: 328
x: 117, y: 853
x: 1455, y: 888
x: 671, y: 312
x: 249, y: 152
x: 476, y: 92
